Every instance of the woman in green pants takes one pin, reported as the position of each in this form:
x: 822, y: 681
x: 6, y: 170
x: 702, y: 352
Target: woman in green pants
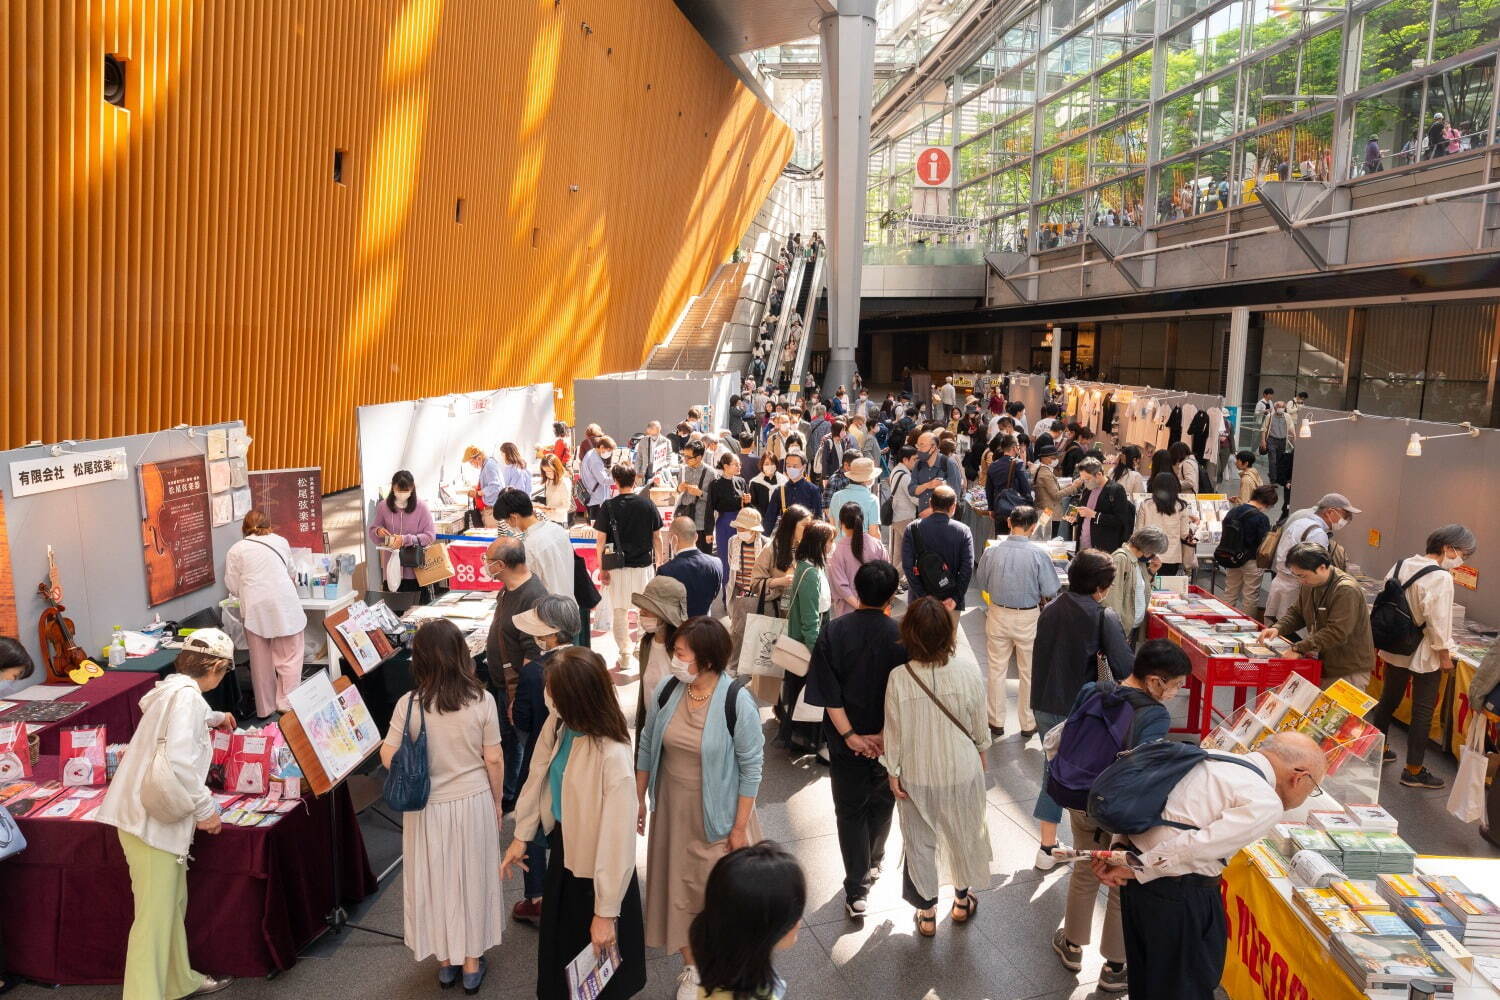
x: 156, y: 844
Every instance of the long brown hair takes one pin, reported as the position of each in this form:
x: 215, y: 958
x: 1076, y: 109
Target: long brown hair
x: 584, y: 696
x: 441, y: 669
x: 512, y: 455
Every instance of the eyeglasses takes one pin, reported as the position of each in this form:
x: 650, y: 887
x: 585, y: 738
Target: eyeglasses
x: 1317, y: 788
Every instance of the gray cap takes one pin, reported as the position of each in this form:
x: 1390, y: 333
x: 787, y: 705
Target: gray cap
x: 1337, y: 501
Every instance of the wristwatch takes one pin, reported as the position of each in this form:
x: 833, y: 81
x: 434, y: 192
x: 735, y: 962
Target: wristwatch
x: 845, y: 736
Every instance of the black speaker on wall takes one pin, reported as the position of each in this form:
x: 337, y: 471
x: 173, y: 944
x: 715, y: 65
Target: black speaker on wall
x: 114, y: 81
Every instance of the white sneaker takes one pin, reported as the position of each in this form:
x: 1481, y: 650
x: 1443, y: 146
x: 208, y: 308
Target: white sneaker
x: 1044, y: 860
x: 687, y: 983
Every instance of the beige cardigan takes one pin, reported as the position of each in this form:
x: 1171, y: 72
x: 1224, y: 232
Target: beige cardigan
x: 599, y: 804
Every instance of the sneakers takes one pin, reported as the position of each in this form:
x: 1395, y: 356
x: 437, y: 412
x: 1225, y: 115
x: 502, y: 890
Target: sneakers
x: 1044, y: 862
x: 1422, y: 779
x: 856, y: 908
x: 1068, y: 953
x: 1389, y: 757
x: 687, y: 983
x: 527, y: 912
x: 1113, y: 980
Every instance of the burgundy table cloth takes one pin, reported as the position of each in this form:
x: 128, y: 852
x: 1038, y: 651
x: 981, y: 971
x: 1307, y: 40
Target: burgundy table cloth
x: 256, y: 897
x: 114, y: 701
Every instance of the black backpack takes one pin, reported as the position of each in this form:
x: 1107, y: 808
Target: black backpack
x: 1392, y: 625
x: 932, y: 569
x: 1231, y: 553
x: 731, y: 700
x: 1129, y: 795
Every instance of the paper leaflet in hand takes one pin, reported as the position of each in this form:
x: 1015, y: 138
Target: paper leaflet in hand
x: 590, y: 972
x: 82, y: 753
x: 1120, y: 859
x: 15, y: 754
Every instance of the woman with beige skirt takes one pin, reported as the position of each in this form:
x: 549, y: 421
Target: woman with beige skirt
x: 452, y: 845
x: 702, y: 776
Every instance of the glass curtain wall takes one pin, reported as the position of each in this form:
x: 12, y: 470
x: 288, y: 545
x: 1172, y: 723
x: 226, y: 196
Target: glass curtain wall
x: 1082, y: 113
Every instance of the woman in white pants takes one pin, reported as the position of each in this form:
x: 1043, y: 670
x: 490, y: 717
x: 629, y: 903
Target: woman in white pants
x: 258, y: 571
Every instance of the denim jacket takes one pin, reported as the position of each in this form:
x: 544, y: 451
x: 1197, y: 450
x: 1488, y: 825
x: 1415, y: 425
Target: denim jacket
x: 730, y: 768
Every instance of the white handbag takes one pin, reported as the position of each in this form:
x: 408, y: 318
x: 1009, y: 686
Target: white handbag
x: 12, y: 841
x: 791, y: 655
x: 757, y: 639
x: 1466, y: 800
x: 162, y: 794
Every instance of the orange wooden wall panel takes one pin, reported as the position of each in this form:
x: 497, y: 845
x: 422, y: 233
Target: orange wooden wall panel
x: 189, y: 258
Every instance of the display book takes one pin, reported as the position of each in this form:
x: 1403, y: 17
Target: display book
x: 1334, y: 717
x: 470, y: 610
x: 252, y: 774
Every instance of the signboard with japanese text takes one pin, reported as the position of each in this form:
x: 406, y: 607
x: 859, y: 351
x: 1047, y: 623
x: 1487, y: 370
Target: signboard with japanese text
x: 293, y: 500
x: 176, y: 534
x: 65, y: 471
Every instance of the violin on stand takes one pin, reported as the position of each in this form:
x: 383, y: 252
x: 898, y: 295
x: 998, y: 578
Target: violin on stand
x: 67, y: 662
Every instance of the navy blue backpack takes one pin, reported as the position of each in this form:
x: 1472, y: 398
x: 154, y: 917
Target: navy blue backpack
x: 408, y: 783
x: 1098, y: 728
x: 1128, y: 796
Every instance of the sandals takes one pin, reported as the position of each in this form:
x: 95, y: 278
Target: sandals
x: 964, y: 907
x: 926, y: 924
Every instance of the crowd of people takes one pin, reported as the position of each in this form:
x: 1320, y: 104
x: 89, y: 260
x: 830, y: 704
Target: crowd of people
x: 839, y: 516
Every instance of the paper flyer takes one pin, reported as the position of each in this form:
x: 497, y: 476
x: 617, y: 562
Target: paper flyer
x: 337, y: 724
x: 218, y: 443
x: 589, y: 973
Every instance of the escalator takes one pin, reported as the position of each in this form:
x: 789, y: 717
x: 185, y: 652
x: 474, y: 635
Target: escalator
x: 794, y: 280
x: 809, y: 313
x: 791, y: 347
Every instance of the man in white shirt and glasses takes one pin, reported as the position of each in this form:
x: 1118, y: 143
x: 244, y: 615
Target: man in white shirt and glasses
x: 1174, y: 921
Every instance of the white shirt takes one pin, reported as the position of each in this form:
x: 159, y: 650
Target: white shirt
x: 258, y: 570
x: 1431, y: 603
x: 1308, y: 523
x: 949, y: 394
x: 1231, y: 808
x: 549, y: 554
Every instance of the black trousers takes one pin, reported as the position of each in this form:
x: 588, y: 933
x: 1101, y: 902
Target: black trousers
x: 862, y: 807
x: 567, y: 913
x: 1175, y: 936
x: 1424, y: 694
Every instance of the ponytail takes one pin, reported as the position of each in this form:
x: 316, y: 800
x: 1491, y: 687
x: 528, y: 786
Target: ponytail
x: 852, y: 516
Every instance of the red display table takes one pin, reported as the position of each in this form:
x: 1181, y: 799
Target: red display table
x: 256, y: 896
x: 1238, y: 672
x: 1156, y: 628
x: 114, y: 701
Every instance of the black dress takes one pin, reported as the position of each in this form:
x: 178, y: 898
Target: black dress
x: 567, y: 912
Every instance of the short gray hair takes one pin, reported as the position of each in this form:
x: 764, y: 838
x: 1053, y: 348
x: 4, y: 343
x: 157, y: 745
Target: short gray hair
x: 1454, y: 536
x: 683, y: 529
x: 560, y: 612
x: 1090, y: 466
x: 1150, y: 541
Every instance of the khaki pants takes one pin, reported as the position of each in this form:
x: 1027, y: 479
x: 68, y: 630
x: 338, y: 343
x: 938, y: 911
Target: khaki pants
x: 898, y: 533
x: 156, y: 957
x: 1083, y: 892
x: 1242, y: 587
x: 1006, y: 632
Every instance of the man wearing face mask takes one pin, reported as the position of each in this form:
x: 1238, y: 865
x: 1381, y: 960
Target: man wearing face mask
x: 648, y: 452
x: 796, y: 490
x: 508, y: 648
x: 1104, y: 514
x: 933, y: 469
x: 1275, y: 440
x: 1331, y: 612
x: 551, y: 624
x: 597, y: 482
x: 1315, y: 526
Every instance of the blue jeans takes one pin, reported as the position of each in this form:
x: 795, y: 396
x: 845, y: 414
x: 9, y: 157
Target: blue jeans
x: 1045, y: 809
x: 536, y: 866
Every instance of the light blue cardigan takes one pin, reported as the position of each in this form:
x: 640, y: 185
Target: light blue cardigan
x: 729, y: 770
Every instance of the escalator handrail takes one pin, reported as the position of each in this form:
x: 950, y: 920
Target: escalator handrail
x: 810, y: 316
x: 794, y: 279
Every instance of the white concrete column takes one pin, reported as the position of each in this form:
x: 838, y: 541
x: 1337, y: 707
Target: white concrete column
x: 848, y: 38
x: 1239, y: 346
x: 1057, y: 338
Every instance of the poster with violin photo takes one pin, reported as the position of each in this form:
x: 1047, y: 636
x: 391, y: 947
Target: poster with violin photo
x: 176, y: 533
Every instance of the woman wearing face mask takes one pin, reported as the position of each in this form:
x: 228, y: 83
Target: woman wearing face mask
x: 594, y: 472
x: 662, y: 608
x: 580, y: 794
x: 1430, y: 597
x: 1127, y: 470
x: 699, y: 778
x: 400, y: 520
x: 1184, y: 466
x: 1166, y: 511
x: 726, y: 495
x: 451, y: 845
x: 810, y: 600
x: 854, y: 548
x: 1044, y: 485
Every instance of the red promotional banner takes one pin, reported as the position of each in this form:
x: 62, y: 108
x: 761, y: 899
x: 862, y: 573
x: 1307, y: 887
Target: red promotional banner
x: 468, y: 566
x: 293, y: 500
x: 176, y: 534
